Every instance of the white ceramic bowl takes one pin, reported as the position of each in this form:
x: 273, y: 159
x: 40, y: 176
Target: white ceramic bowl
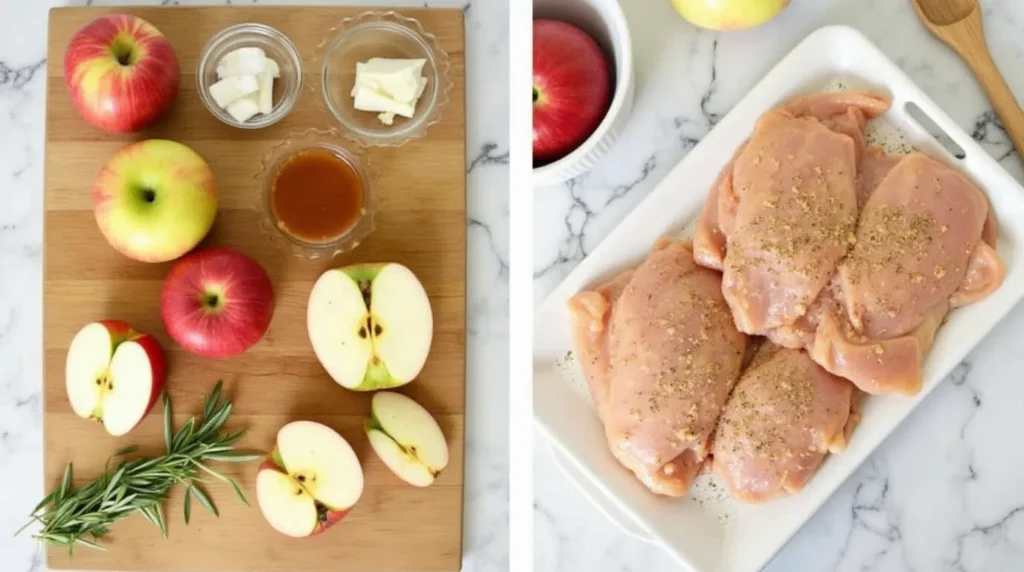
x: 605, y: 22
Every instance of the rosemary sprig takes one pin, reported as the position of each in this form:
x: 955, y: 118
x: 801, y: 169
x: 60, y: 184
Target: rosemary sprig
x: 82, y: 516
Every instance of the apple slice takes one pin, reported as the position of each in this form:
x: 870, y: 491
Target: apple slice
x: 310, y: 481
x: 370, y: 325
x: 407, y: 438
x: 114, y: 374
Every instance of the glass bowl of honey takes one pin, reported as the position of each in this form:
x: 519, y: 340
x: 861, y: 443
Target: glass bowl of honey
x: 387, y: 35
x: 316, y: 194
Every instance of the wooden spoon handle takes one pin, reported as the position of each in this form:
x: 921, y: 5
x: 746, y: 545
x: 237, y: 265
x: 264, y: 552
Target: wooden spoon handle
x: 968, y: 39
x: 1003, y: 101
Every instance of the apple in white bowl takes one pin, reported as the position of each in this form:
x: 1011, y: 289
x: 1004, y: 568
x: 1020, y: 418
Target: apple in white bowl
x: 310, y: 481
x: 121, y: 72
x: 114, y: 374
x: 155, y: 200
x: 217, y: 302
x: 407, y: 438
x: 572, y: 88
x: 370, y: 325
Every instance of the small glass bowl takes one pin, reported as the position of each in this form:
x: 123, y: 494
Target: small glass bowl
x: 382, y: 35
x: 324, y: 139
x: 277, y: 46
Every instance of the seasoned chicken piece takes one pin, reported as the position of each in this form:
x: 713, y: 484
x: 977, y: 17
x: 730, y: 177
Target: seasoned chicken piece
x: 590, y: 312
x: 842, y: 112
x: 874, y: 166
x: 794, y: 185
x: 672, y: 357
x: 785, y: 414
x: 831, y: 104
x: 919, y: 251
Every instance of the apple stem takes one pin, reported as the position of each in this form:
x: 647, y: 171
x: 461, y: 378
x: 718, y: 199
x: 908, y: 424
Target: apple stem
x: 148, y: 195
x: 536, y: 95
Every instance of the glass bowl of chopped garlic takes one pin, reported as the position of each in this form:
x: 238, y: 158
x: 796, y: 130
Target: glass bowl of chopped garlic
x: 249, y: 76
x: 384, y: 77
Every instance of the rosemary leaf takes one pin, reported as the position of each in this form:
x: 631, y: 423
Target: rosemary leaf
x: 232, y: 457
x: 160, y: 519
x: 126, y: 451
x: 65, y: 484
x: 168, y: 430
x: 238, y: 491
x: 188, y: 504
x: 204, y: 500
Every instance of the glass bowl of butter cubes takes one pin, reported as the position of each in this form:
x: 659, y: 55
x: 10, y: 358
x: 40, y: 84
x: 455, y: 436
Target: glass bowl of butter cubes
x: 384, y: 78
x: 249, y: 76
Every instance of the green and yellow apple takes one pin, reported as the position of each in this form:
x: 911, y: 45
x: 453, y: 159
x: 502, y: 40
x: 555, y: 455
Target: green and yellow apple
x: 155, y: 200
x: 310, y: 481
x: 729, y: 14
x: 370, y: 325
x: 407, y: 438
x: 121, y: 72
x: 114, y: 374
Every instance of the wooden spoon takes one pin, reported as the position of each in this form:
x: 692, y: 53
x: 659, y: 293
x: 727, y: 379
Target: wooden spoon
x: 958, y: 24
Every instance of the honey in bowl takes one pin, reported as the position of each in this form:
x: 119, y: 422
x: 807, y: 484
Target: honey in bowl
x: 316, y: 196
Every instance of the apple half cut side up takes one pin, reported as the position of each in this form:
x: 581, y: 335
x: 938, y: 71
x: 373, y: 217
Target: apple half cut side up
x: 310, y: 481
x: 370, y: 325
x: 114, y: 375
x: 406, y: 438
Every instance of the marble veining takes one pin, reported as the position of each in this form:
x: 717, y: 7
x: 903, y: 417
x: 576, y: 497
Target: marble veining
x: 23, y: 26
x: 944, y: 492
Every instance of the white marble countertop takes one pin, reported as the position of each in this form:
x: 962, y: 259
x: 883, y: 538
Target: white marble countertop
x: 23, y: 25
x: 945, y: 491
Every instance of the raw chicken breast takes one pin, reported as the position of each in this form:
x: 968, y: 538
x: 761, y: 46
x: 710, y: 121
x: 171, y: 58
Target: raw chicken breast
x: 785, y: 414
x: 873, y: 167
x: 781, y: 215
x: 794, y: 186
x: 672, y: 356
x: 919, y: 250
x: 590, y: 312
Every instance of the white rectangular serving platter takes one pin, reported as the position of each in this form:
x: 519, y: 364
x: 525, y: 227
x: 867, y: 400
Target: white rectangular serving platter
x: 713, y: 535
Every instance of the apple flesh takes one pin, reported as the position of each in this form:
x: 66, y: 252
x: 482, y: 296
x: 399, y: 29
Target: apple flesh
x: 370, y: 325
x: 217, y: 302
x: 114, y: 374
x: 155, y: 200
x: 572, y: 89
x: 729, y: 14
x: 310, y: 481
x: 407, y: 438
x: 121, y: 72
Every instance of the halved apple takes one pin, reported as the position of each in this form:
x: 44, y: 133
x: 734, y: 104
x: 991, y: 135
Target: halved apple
x: 370, y: 325
x: 407, y: 438
x: 310, y: 481
x: 114, y: 374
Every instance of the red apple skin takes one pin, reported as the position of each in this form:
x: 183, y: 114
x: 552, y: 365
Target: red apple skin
x: 217, y: 302
x: 120, y: 332
x: 114, y: 97
x: 159, y: 363
x: 333, y: 516
x: 571, y: 86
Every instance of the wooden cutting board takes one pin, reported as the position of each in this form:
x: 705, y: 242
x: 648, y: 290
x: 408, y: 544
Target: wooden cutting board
x: 421, y: 223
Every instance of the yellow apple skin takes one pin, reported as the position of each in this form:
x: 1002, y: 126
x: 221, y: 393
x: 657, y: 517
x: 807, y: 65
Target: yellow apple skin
x: 728, y: 14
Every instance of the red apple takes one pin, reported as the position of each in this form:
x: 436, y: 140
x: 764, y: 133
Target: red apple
x: 310, y: 480
x: 122, y: 73
x: 114, y: 374
x: 217, y: 302
x: 571, y: 88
